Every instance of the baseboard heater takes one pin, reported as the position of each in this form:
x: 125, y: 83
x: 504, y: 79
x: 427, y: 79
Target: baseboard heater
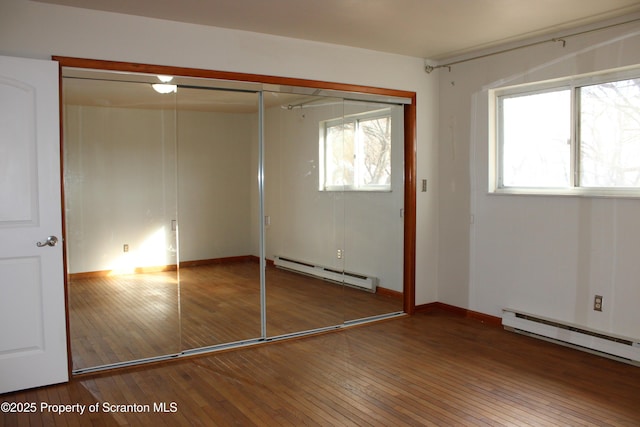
x: 614, y: 346
x: 360, y: 281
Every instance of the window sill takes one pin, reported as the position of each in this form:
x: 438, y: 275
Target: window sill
x: 340, y: 189
x: 630, y: 193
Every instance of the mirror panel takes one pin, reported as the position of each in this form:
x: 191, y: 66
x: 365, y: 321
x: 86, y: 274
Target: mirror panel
x: 304, y: 225
x: 373, y: 210
x: 120, y: 213
x: 217, y: 192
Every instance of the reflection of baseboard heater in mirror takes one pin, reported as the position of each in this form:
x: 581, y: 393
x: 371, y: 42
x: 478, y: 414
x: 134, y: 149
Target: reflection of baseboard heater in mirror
x: 359, y: 281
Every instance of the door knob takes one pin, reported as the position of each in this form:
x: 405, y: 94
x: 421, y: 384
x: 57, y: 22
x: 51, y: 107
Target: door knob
x: 51, y: 241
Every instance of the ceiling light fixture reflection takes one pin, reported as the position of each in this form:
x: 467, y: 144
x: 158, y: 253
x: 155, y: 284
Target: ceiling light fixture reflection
x: 164, y: 87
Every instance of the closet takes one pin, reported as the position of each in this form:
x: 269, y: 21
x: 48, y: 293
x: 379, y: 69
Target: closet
x: 218, y: 213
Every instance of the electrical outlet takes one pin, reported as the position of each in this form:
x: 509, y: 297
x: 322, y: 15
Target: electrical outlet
x: 125, y: 248
x: 597, y: 303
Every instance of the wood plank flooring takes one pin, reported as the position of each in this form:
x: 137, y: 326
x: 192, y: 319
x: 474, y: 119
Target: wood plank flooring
x: 428, y: 369
x: 129, y: 317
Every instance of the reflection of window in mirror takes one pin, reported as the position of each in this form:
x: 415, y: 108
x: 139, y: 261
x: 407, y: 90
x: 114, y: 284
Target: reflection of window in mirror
x: 355, y: 152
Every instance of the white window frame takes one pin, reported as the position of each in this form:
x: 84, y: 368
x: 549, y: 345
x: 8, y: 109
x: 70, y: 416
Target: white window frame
x: 355, y: 118
x: 572, y: 83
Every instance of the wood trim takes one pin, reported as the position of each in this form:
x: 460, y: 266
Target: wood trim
x: 389, y: 292
x: 136, y: 270
x: 435, y: 306
x: 64, y: 223
x: 171, y: 267
x: 485, y: 318
x: 410, y: 187
x: 410, y: 140
x: 225, y: 260
x: 269, y: 262
x: 462, y: 312
x: 88, y: 274
x: 97, y: 64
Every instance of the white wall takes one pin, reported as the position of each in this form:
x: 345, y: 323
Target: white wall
x: 120, y: 181
x: 122, y: 168
x: 32, y: 29
x: 215, y: 181
x: 545, y: 255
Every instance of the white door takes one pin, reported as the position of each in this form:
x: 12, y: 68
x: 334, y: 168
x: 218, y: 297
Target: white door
x: 33, y: 343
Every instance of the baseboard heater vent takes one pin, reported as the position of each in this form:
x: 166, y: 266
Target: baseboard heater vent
x: 620, y: 348
x: 360, y: 281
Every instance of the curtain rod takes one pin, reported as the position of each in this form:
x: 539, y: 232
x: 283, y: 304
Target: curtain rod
x: 430, y: 68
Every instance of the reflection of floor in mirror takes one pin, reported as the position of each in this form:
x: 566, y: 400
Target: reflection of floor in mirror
x: 120, y: 318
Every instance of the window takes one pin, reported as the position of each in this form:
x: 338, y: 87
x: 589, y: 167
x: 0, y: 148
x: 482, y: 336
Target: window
x: 580, y: 136
x: 355, y: 152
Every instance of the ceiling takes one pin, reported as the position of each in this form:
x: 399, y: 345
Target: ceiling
x: 433, y: 29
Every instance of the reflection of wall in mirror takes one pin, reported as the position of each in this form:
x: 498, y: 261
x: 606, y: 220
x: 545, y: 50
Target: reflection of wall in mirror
x: 217, y: 192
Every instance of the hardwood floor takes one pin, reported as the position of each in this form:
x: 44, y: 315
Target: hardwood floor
x: 114, y: 319
x: 129, y: 317
x: 427, y: 369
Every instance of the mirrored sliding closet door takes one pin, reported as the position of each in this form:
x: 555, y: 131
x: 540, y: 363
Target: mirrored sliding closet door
x: 121, y: 220
x: 203, y: 214
x: 373, y: 209
x: 218, y: 211
x: 304, y: 230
